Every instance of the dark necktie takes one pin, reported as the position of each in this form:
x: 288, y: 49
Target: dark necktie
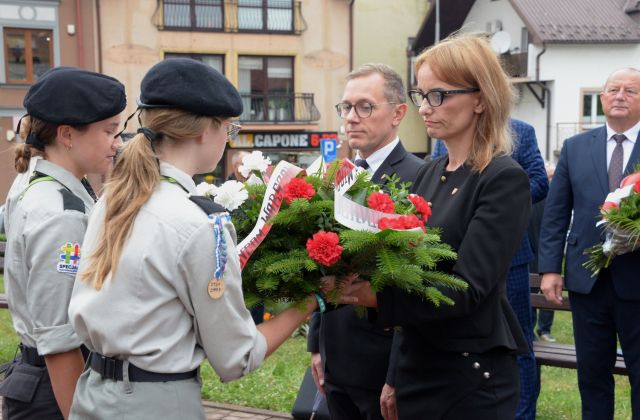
x: 362, y: 163
x: 615, y: 165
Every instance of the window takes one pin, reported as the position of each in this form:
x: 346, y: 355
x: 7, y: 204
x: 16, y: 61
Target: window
x: 592, y: 113
x: 28, y: 54
x: 266, y: 87
x: 193, y: 14
x: 215, y: 61
x: 265, y: 15
x: 524, y: 40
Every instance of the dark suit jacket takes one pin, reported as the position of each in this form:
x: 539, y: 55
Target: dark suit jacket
x: 354, y: 351
x: 483, y: 216
x: 527, y: 154
x: 580, y: 184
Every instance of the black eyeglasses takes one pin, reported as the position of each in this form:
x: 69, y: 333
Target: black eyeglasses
x: 435, y: 98
x: 363, y: 109
x: 233, y: 129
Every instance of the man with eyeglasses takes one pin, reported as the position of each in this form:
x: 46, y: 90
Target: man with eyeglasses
x: 350, y: 357
x: 606, y: 307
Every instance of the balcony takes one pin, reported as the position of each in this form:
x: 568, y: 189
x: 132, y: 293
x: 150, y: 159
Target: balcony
x: 279, y: 108
x: 250, y: 16
x: 515, y: 64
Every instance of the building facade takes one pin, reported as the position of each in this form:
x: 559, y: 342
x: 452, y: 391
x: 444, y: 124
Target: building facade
x: 383, y: 33
x: 287, y: 58
x: 38, y: 35
x: 557, y: 53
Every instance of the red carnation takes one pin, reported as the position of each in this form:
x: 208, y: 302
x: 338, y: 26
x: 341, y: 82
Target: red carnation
x: 324, y: 248
x: 409, y: 221
x: 421, y: 205
x: 381, y: 202
x: 298, y: 188
x: 608, y: 206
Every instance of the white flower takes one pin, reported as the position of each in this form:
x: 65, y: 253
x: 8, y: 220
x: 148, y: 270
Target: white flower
x: 620, y: 193
x: 254, y: 180
x: 204, y: 188
x: 231, y: 195
x: 254, y: 161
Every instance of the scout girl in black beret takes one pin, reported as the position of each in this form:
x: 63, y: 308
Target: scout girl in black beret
x: 161, y: 288
x: 71, y: 128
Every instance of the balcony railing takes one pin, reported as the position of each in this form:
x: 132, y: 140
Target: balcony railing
x: 515, y: 64
x: 272, y: 16
x: 279, y: 108
x: 564, y: 130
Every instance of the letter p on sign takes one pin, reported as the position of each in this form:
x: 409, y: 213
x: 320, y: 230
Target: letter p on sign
x: 329, y: 149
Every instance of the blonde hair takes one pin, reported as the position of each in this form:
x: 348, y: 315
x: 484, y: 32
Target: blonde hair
x: 134, y: 177
x: 468, y: 61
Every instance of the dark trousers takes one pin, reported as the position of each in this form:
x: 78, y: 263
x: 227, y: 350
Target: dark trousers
x: 257, y: 313
x: 28, y: 394
x: 598, y: 319
x: 519, y: 296
x: 351, y: 403
x: 544, y: 319
x: 452, y: 386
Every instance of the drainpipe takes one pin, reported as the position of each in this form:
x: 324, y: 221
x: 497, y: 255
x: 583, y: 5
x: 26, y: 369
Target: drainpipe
x: 99, y: 36
x: 547, y: 95
x: 544, y: 50
x: 79, y: 35
x: 351, y: 34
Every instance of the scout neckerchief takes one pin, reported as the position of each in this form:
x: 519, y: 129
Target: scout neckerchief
x: 216, y: 285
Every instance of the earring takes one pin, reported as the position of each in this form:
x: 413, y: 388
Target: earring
x: 69, y: 147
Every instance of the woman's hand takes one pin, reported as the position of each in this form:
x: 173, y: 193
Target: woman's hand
x: 359, y: 292
x: 336, y: 289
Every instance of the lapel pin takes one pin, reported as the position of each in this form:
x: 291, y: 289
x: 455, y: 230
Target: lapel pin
x: 455, y: 190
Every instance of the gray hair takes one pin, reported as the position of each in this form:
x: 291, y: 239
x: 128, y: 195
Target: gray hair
x: 393, y: 86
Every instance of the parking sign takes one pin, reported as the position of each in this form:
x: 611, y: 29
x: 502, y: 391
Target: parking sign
x: 329, y: 149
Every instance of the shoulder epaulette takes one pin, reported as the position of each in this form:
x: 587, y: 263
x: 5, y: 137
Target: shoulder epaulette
x: 70, y: 201
x: 207, y: 204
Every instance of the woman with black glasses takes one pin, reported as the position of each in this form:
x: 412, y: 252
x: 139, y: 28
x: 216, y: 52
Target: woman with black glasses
x: 458, y: 362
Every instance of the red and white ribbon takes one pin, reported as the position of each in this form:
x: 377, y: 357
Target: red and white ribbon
x: 271, y: 203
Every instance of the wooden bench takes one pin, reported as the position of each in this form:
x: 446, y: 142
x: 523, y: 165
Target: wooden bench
x: 554, y: 354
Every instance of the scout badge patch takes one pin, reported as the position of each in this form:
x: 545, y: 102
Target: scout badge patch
x: 69, y: 260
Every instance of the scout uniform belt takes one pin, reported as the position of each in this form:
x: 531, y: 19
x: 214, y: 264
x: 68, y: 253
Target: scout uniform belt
x: 111, y: 368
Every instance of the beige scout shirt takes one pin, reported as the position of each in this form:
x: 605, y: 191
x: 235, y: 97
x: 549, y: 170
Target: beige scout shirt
x: 155, y: 310
x: 44, y: 246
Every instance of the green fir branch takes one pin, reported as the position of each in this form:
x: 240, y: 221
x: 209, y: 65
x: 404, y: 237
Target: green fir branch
x: 438, y: 278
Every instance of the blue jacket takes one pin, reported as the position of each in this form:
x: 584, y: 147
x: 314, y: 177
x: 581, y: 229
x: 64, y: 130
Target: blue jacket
x: 580, y: 185
x: 527, y: 154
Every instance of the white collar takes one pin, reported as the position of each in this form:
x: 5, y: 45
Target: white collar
x: 379, y: 156
x: 632, y: 133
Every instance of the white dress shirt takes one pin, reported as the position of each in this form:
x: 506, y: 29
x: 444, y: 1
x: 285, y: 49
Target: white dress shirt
x: 627, y: 145
x: 377, y: 157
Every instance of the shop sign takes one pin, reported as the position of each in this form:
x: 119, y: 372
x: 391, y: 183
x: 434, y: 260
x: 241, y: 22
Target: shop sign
x: 281, y: 140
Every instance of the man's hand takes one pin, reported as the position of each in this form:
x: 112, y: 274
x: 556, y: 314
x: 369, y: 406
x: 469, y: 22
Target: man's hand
x: 388, y: 403
x: 551, y: 286
x: 317, y: 372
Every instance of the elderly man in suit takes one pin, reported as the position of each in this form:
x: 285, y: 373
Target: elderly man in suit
x: 527, y: 154
x: 350, y: 357
x: 606, y: 307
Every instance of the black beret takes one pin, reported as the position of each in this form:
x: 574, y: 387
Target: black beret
x: 68, y: 95
x: 190, y: 85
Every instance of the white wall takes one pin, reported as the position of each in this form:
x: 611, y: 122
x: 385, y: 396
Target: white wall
x: 573, y: 67
x: 484, y: 11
